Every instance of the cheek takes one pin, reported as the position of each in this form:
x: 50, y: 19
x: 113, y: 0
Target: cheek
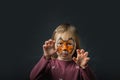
x: 70, y: 49
x: 59, y: 49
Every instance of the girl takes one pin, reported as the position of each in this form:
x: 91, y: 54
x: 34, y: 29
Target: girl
x: 63, y: 59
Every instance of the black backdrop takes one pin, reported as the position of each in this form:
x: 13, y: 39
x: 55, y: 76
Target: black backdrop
x: 25, y: 25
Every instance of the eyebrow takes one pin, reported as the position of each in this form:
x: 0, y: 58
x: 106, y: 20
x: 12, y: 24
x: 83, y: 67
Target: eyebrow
x: 66, y: 40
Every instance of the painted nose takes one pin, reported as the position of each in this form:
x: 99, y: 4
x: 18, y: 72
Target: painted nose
x: 65, y: 47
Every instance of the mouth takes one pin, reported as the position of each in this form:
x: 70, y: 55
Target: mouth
x: 65, y: 53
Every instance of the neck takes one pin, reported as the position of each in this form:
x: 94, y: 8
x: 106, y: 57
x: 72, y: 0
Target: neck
x: 64, y: 59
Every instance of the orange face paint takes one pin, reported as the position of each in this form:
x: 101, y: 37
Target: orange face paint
x: 65, y: 45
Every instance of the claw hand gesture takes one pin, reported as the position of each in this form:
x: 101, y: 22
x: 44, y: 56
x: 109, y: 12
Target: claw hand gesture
x: 82, y: 58
x: 48, y: 48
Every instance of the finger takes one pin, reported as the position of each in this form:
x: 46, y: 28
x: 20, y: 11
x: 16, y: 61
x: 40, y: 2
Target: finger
x: 86, y: 59
x: 85, y: 54
x: 78, y: 52
x: 46, y: 42
x: 75, y: 59
x: 82, y: 51
x: 81, y: 56
x: 50, y: 41
x: 44, y: 46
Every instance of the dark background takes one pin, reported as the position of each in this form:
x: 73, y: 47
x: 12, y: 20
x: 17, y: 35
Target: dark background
x: 25, y: 25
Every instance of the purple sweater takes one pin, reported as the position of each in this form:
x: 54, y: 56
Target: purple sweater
x: 55, y: 69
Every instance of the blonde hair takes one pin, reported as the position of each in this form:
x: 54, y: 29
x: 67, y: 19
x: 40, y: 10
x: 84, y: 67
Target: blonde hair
x: 68, y: 27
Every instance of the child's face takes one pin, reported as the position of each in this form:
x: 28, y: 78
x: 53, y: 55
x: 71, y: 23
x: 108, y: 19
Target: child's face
x: 65, y: 45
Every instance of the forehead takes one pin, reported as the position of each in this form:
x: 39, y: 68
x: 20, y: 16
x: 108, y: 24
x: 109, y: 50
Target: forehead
x: 65, y: 36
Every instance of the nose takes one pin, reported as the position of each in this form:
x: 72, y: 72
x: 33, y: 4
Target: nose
x: 64, y: 47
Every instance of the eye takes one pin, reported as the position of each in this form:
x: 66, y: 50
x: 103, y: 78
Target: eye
x: 59, y: 44
x: 69, y: 44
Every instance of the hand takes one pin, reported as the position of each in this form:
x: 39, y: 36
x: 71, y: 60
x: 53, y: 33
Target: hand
x: 82, y: 58
x: 48, y: 48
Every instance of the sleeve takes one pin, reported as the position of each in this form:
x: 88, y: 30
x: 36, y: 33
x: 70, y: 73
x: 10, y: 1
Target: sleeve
x: 40, y: 69
x: 87, y: 74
